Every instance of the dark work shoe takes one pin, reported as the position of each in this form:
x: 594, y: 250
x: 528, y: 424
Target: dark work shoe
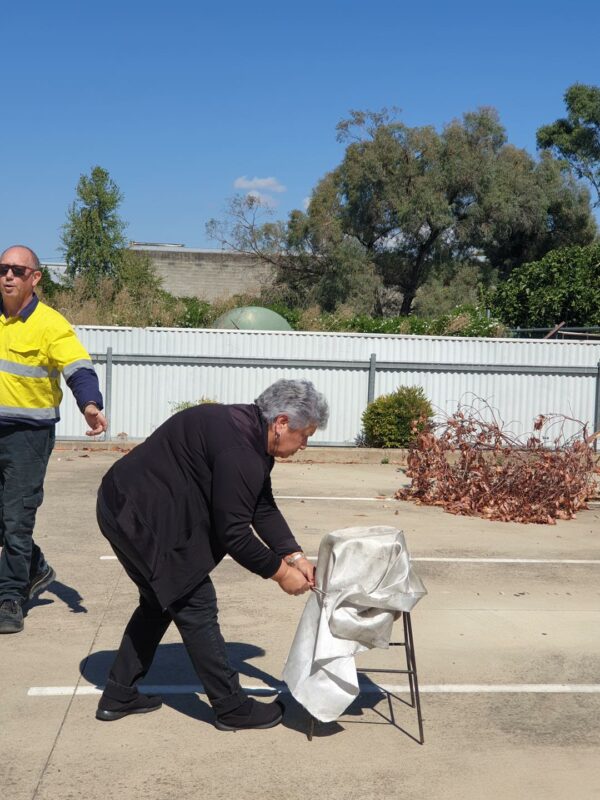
x: 109, y: 710
x: 11, y: 616
x: 41, y: 581
x: 251, y: 715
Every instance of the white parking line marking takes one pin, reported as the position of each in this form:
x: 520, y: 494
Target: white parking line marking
x: 465, y: 560
x: 379, y: 498
x: 320, y: 497
x: 439, y: 688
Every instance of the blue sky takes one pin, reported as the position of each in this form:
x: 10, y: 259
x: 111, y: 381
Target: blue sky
x: 180, y: 100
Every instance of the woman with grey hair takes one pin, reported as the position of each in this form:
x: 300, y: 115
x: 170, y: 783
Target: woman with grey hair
x: 303, y: 408
x: 173, y: 507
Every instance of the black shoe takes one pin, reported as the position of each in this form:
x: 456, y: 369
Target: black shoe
x: 109, y: 710
x: 11, y: 616
x: 40, y: 581
x: 251, y: 715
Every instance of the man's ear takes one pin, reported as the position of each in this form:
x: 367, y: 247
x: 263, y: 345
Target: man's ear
x: 37, y: 277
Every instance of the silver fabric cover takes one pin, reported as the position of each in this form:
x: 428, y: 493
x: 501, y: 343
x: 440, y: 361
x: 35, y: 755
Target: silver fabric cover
x: 365, y: 580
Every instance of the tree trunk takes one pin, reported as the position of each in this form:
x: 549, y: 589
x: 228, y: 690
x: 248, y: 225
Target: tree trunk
x: 407, y: 301
x: 418, y: 272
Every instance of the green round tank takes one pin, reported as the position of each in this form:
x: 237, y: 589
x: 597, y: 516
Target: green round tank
x: 252, y: 318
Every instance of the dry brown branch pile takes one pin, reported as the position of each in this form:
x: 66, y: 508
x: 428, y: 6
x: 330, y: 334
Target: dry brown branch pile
x: 472, y: 466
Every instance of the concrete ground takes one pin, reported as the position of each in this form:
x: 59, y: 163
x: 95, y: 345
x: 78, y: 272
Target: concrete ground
x: 507, y: 646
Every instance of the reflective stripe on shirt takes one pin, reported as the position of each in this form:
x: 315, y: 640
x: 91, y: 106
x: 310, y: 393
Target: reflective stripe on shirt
x: 82, y: 363
x: 25, y: 371
x: 29, y: 413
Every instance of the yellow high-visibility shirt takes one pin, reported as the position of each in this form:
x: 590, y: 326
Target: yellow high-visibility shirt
x: 35, y: 349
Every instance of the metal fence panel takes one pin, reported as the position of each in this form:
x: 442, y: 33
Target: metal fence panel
x: 153, y: 369
x: 514, y: 400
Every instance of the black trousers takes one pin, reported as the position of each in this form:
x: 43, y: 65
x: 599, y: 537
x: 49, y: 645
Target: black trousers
x: 24, y: 454
x: 196, y: 617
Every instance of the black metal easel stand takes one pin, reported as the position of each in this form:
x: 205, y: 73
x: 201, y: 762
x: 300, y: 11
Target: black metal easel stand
x: 410, y: 671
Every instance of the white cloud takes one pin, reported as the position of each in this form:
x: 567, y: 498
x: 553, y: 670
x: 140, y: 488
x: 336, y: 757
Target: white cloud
x: 306, y: 203
x: 268, y: 184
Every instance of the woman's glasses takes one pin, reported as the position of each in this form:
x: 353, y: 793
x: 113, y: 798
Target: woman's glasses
x: 18, y: 272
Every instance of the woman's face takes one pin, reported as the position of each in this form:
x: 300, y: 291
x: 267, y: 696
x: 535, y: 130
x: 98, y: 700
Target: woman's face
x: 287, y: 440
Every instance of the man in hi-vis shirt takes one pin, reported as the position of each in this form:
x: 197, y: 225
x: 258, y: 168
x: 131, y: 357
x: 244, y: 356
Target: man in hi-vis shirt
x: 37, y: 345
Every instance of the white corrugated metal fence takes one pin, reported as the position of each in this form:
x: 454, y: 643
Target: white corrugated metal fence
x: 145, y: 372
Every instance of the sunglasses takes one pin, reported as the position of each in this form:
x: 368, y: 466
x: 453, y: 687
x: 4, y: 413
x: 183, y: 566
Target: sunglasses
x: 18, y: 272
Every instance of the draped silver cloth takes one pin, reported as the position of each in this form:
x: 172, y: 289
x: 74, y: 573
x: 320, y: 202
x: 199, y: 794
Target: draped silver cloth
x: 365, y: 580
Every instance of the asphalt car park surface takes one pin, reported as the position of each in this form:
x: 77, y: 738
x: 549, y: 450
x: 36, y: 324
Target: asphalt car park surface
x: 507, y: 645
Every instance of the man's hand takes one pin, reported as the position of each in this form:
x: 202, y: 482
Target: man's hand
x: 95, y: 419
x: 291, y: 580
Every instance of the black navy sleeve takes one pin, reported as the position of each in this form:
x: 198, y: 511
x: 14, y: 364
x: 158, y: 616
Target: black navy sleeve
x: 83, y: 382
x: 270, y: 524
x: 237, y: 482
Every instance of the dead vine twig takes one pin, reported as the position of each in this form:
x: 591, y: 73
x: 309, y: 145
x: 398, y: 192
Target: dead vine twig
x: 470, y: 465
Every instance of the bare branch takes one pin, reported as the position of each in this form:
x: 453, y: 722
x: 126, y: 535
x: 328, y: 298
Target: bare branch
x: 469, y: 464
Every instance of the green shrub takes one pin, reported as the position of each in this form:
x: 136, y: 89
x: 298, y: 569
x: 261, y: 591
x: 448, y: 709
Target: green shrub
x: 47, y: 288
x: 185, y: 404
x: 463, y: 320
x: 389, y: 421
x: 196, y: 314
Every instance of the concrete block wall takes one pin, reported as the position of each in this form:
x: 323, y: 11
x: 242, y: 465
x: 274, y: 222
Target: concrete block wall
x: 208, y: 274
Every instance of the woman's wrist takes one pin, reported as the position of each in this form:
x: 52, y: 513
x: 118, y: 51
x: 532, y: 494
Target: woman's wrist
x: 291, y: 559
x: 281, y: 571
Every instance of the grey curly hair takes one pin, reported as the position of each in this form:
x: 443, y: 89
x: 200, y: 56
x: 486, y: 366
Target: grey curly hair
x: 298, y: 399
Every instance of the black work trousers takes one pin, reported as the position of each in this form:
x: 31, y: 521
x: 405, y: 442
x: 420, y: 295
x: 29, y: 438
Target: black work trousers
x: 196, y: 617
x: 24, y: 454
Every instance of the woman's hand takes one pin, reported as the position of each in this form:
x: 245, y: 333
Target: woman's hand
x: 291, y: 580
x: 307, y: 569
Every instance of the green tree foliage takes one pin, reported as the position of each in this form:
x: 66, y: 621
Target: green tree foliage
x: 93, y: 235
x: 394, y: 420
x: 109, y: 284
x: 564, y: 286
x: 138, y: 298
x: 133, y: 297
x: 413, y: 198
x: 305, y: 271
x: 400, y: 194
x: 528, y: 209
x: 450, y: 285
x: 47, y: 288
x: 576, y: 137
x: 463, y: 320
x: 197, y: 313
x: 406, y: 200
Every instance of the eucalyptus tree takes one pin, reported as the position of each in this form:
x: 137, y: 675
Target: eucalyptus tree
x: 413, y: 197
x: 406, y: 199
x: 576, y: 137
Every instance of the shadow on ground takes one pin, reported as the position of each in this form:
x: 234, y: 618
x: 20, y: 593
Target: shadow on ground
x: 172, y: 667
x: 67, y: 594
x: 371, y: 707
